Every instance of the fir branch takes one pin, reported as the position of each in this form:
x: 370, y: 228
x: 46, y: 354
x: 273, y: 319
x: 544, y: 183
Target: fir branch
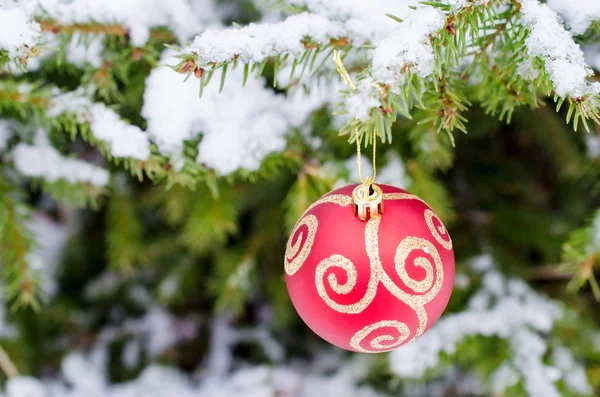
x: 211, y: 220
x: 124, y: 234
x: 15, y: 245
x: 54, y: 27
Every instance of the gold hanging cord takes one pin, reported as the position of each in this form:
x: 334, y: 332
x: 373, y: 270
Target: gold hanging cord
x: 367, y: 197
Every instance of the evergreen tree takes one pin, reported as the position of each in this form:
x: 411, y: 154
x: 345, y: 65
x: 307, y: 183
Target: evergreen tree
x: 155, y: 156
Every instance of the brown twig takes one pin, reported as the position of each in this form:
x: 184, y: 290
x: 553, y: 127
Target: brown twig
x: 98, y: 28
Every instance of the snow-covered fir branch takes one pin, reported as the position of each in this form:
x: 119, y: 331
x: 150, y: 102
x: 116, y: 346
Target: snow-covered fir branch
x: 577, y: 14
x: 248, y: 123
x: 123, y: 139
x: 134, y: 18
x: 405, y: 58
x: 44, y: 161
x: 19, y: 34
x: 510, y: 310
x: 563, y: 59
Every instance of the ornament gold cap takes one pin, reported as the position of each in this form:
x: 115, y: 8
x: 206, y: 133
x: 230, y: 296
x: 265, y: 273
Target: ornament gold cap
x: 367, y: 200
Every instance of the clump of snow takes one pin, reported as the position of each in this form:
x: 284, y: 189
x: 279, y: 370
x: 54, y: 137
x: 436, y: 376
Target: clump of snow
x: 529, y: 349
x: 575, y: 376
x: 507, y: 309
x: 578, y: 14
x: 364, y: 21
x: 239, y: 127
x: 360, y: 102
x: 25, y: 386
x: 564, y: 59
x: 408, y: 47
x: 46, y: 162
x: 18, y: 33
x: 256, y: 42
x: 504, y: 377
x: 85, y: 375
x: 356, y: 20
x: 124, y: 140
x: 186, y: 18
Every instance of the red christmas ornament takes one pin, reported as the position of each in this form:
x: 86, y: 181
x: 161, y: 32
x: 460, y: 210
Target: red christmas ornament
x: 369, y: 286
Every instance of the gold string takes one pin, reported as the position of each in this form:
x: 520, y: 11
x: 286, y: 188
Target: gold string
x: 341, y: 69
x: 358, y: 157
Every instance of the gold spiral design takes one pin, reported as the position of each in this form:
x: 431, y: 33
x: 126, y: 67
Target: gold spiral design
x: 346, y: 264
x: 406, y: 247
x: 437, y: 232
x: 376, y: 343
x: 296, y: 254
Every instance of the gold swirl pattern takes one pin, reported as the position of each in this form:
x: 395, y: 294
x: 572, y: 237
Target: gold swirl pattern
x: 376, y: 343
x: 340, y: 199
x: 424, y: 290
x: 296, y: 254
x: 437, y: 232
x: 346, y: 264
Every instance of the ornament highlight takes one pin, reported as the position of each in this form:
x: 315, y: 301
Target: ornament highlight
x: 369, y: 285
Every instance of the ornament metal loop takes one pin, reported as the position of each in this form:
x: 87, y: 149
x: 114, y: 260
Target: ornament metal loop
x: 367, y: 200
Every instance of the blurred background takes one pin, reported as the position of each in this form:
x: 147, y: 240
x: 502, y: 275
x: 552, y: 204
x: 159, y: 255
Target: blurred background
x: 164, y: 276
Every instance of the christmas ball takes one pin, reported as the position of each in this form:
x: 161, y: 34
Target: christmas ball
x: 369, y: 286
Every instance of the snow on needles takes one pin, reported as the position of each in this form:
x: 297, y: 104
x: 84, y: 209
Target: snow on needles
x: 578, y: 14
x: 408, y: 46
x: 256, y: 42
x: 124, y: 140
x: 18, y: 33
x: 46, y: 162
x: 355, y: 20
x: 364, y: 20
x: 508, y: 309
x: 185, y: 17
x: 564, y: 59
x: 239, y: 127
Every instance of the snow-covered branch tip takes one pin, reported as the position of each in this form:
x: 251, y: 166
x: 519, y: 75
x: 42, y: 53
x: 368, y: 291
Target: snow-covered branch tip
x: 19, y: 37
x: 521, y: 46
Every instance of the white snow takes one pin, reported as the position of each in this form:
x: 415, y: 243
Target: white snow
x: 24, y: 386
x: 255, y: 42
x: 85, y: 376
x: 408, y: 47
x: 360, y: 102
x: 577, y: 14
x: 364, y: 21
x: 239, y: 127
x: 564, y: 59
x: 46, y: 162
x: 507, y: 309
x: 356, y: 20
x: 124, y: 140
x: 18, y: 33
x: 185, y: 17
